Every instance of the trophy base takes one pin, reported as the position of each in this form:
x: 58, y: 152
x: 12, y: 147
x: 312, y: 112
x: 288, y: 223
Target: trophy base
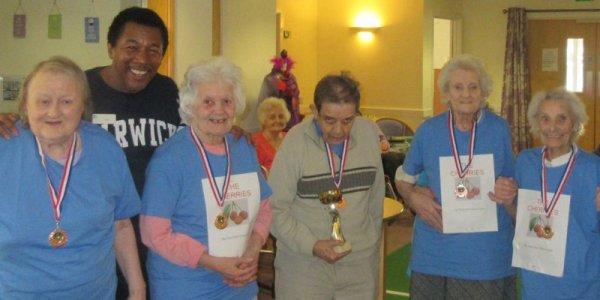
x: 343, y: 248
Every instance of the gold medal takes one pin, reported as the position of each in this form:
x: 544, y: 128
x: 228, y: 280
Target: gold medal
x: 548, y: 232
x: 221, y: 221
x: 331, y: 196
x: 58, y: 238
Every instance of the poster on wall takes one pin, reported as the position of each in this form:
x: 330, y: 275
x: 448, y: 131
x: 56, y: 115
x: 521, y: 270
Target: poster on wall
x: 10, y: 87
x: 55, y: 26
x: 91, y: 29
x: 550, y: 60
x: 19, y: 22
x: 19, y: 26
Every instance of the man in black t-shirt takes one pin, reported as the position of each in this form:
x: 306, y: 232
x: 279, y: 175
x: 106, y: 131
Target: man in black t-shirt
x: 132, y: 101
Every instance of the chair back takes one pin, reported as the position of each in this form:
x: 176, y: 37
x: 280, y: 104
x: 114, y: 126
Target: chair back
x: 394, y: 127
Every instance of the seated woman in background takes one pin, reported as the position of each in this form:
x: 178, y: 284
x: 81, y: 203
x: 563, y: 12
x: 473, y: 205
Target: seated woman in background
x: 65, y: 208
x: 206, y: 207
x: 557, y: 233
x: 273, y: 115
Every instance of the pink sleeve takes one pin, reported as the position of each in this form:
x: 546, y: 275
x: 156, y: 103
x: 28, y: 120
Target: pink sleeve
x: 177, y: 248
x: 263, y: 220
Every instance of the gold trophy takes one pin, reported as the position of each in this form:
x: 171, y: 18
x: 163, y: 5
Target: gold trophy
x: 331, y: 198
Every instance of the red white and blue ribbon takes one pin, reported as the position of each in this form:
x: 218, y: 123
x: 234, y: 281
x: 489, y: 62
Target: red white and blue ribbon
x: 550, y: 205
x: 57, y: 199
x: 218, y: 194
x: 337, y: 180
x: 460, y: 171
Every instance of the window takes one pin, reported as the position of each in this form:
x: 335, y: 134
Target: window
x: 574, y: 72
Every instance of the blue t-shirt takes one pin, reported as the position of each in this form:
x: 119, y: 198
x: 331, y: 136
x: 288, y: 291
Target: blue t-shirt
x: 173, y: 190
x: 581, y: 277
x: 474, y: 256
x: 100, y: 191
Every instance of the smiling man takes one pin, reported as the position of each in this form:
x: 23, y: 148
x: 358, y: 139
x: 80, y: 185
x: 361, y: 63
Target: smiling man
x: 333, y: 153
x: 131, y: 100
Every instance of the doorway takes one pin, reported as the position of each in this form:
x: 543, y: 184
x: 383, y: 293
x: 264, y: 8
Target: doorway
x: 446, y: 44
x: 565, y: 53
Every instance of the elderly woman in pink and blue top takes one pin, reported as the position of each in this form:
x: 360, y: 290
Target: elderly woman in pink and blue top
x: 557, y: 235
x: 205, y: 209
x: 462, y: 236
x: 66, y: 204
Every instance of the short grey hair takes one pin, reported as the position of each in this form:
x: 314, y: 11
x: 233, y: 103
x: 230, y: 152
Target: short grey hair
x: 468, y: 63
x: 577, y: 110
x: 216, y: 69
x: 267, y: 105
x: 57, y: 65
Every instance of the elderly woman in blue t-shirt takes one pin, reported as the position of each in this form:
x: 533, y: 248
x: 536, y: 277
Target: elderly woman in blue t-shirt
x: 557, y: 236
x: 65, y: 208
x: 462, y: 234
x: 205, y: 209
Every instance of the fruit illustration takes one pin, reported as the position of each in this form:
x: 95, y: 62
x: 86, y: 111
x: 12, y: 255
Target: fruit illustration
x: 539, y: 231
x: 470, y: 194
x: 532, y: 222
x: 221, y: 221
x: 236, y: 213
x: 236, y: 218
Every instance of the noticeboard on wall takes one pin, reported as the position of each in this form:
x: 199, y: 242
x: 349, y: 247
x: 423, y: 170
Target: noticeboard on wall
x: 11, y: 85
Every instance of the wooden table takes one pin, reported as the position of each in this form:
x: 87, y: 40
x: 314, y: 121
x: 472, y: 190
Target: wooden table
x: 391, y: 208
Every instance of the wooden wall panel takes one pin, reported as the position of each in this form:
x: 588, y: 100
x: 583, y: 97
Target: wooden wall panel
x: 165, y: 9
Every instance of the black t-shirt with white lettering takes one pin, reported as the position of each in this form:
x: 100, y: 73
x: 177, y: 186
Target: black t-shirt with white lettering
x: 140, y: 122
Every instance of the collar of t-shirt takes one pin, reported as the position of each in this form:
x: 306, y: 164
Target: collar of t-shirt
x: 561, y: 160
x: 337, y: 148
x: 62, y: 162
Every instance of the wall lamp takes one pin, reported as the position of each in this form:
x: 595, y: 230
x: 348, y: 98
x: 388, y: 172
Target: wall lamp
x: 366, y: 24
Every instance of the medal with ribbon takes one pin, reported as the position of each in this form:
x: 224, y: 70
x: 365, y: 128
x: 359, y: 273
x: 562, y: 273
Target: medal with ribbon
x: 336, y: 194
x: 550, y: 205
x: 461, y: 190
x: 58, y: 237
x: 219, y: 194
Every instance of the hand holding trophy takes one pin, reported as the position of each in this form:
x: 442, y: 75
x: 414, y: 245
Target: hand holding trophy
x: 331, y: 198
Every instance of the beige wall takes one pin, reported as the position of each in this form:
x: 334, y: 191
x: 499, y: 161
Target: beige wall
x: 18, y: 56
x: 390, y: 68
x: 248, y: 36
x: 300, y: 19
x: 395, y: 69
x: 193, y: 34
